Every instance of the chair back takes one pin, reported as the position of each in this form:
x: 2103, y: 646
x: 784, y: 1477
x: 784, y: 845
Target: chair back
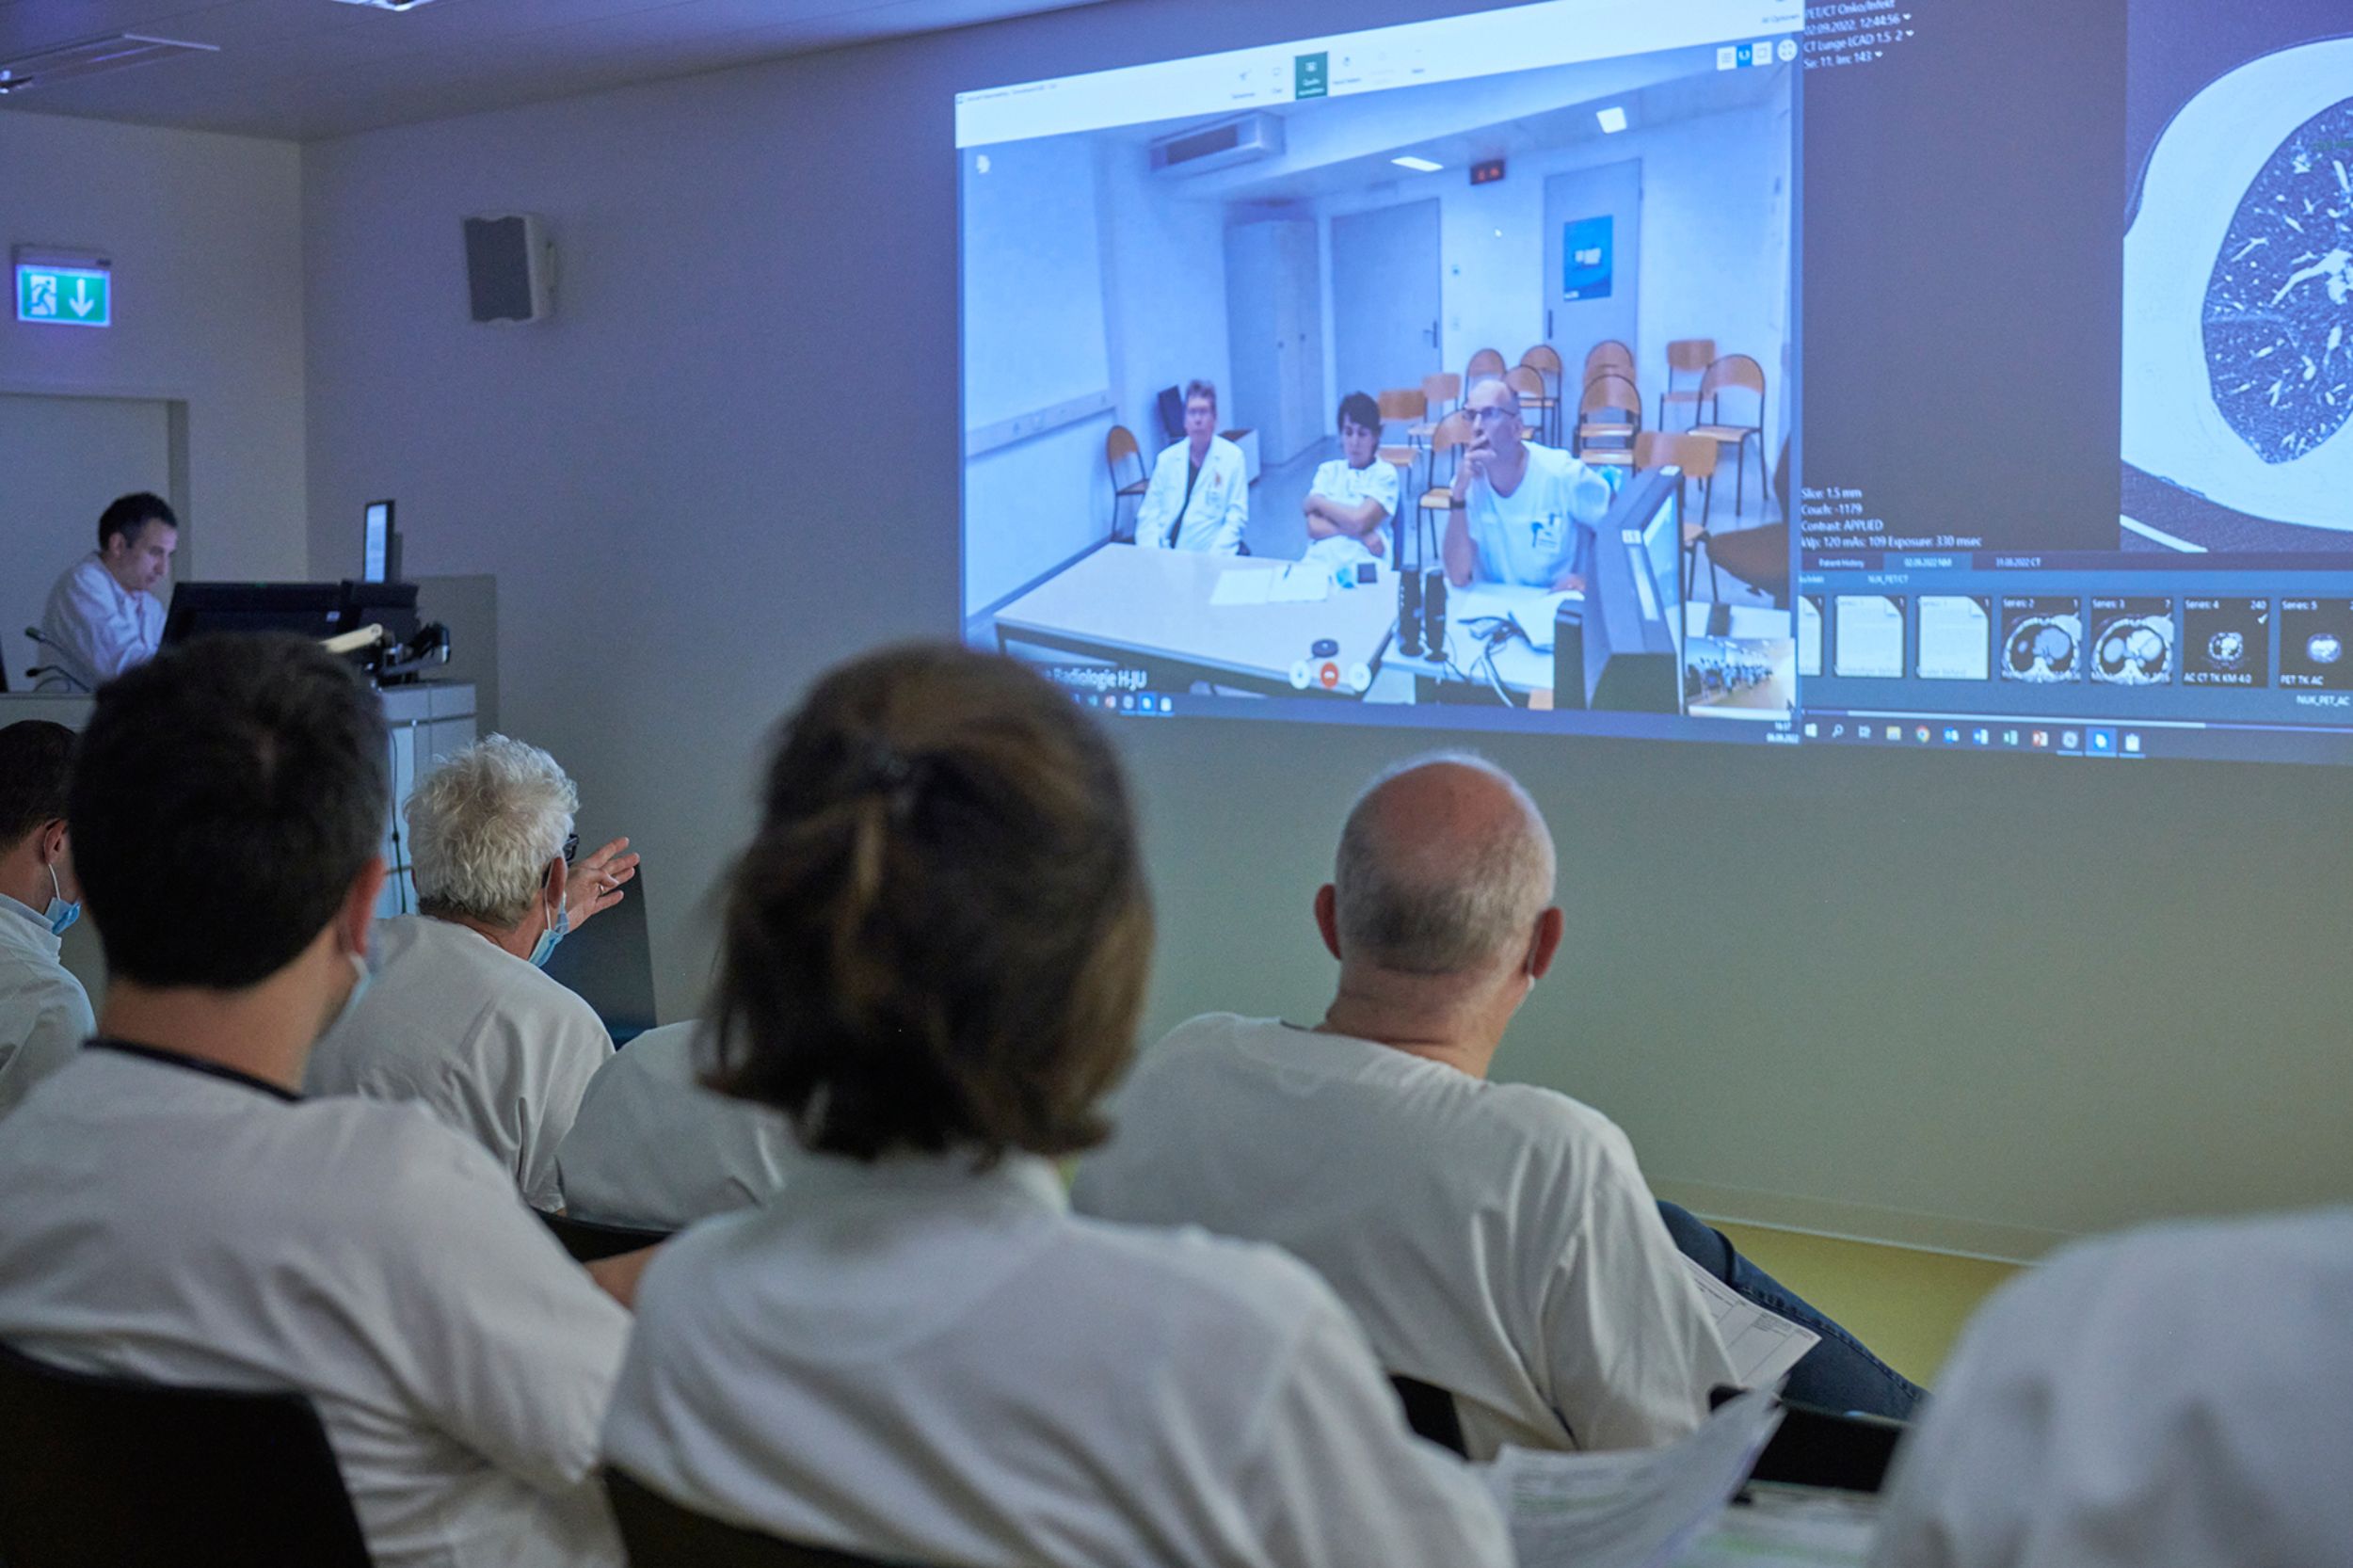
x: 1544, y: 357
x: 1733, y: 373
x: 1694, y: 455
x: 1429, y: 1411
x: 108, y: 1472
x: 1444, y: 387
x: 1686, y: 355
x: 1609, y: 392
x: 1403, y: 404
x: 1120, y: 447
x: 1525, y: 380
x: 659, y: 1533
x: 587, y: 1240
x: 1486, y: 364
x: 1609, y: 357
x: 1452, y: 431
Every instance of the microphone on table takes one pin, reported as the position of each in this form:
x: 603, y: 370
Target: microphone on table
x: 57, y: 669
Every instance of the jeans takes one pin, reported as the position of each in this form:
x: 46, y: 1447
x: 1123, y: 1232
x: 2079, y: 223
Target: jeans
x: 1836, y: 1374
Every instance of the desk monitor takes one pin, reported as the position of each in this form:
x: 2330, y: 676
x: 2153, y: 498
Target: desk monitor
x: 608, y: 964
x: 307, y: 609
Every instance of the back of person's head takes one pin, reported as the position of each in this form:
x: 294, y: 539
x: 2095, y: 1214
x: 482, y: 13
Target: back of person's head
x: 938, y: 939
x: 482, y: 826
x: 1444, y: 866
x: 35, y: 766
x: 226, y: 795
x: 1358, y: 409
x: 127, y: 514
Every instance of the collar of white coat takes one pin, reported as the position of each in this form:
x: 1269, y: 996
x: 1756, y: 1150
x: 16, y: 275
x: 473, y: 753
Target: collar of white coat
x: 1026, y: 1178
x: 121, y: 593
x: 33, y: 930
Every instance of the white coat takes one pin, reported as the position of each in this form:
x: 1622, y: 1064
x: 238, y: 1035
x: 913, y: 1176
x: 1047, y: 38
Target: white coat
x: 651, y: 1147
x: 44, y: 1013
x: 1217, y: 514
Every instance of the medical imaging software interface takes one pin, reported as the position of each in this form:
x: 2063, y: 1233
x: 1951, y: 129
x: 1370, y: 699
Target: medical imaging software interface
x: 1963, y: 374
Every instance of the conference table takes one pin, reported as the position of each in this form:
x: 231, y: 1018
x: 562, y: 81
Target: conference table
x: 1159, y: 609
x: 1521, y: 664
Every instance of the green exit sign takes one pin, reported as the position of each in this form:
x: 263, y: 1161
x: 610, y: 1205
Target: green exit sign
x: 64, y: 296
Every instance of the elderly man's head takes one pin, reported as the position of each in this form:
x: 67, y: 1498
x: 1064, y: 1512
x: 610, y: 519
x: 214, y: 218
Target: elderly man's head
x: 484, y: 828
x: 1494, y: 409
x: 1446, y: 868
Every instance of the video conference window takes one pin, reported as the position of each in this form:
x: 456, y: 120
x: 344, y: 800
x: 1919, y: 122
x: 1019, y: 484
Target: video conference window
x: 1435, y: 369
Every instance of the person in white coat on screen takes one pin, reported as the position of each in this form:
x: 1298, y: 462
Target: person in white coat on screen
x: 934, y: 956
x: 103, y: 616
x: 1199, y: 497
x: 459, y: 1016
x: 44, y: 1013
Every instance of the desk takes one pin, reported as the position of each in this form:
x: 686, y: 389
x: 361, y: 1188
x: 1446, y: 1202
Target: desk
x: 1520, y: 666
x: 1152, y: 607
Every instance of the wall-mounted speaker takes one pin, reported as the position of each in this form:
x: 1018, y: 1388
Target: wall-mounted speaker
x: 510, y: 268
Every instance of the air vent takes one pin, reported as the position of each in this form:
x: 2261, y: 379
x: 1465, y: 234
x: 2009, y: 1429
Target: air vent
x: 1231, y: 141
x: 390, y: 5
x: 114, y: 52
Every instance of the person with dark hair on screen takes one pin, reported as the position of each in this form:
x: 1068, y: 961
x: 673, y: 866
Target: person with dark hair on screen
x: 178, y: 1213
x: 44, y: 1013
x: 103, y: 615
x: 935, y: 953
x: 1199, y: 493
x: 1352, y: 496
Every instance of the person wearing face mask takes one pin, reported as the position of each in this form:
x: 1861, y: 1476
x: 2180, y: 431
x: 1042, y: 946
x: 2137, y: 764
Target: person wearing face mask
x: 44, y: 1013
x: 103, y: 615
x: 178, y: 1213
x: 459, y: 1016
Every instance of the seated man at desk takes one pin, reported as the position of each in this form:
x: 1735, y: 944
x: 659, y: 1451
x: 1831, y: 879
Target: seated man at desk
x: 1199, y: 497
x: 1355, y: 494
x: 102, y: 616
x: 1523, y: 513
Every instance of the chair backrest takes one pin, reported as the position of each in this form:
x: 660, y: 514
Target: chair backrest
x: 1119, y: 445
x: 1486, y: 363
x: 1690, y: 354
x: 108, y: 1472
x: 1452, y: 431
x: 1733, y: 373
x: 1397, y: 456
x: 1606, y: 356
x: 1608, y: 390
x: 588, y: 1240
x: 1525, y: 380
x: 1402, y: 404
x: 1444, y: 387
x: 1429, y: 1411
x: 1694, y: 455
x: 659, y: 1533
x: 1544, y: 357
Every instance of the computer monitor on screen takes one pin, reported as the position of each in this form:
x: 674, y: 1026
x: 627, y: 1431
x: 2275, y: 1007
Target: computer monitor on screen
x: 376, y: 544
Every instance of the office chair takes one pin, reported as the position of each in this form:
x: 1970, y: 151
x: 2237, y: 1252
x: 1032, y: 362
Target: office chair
x: 659, y: 1534
x: 587, y: 1239
x: 111, y: 1472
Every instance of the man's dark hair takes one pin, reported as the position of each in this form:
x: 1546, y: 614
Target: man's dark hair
x: 36, y: 764
x: 127, y: 514
x: 227, y: 794
x: 1198, y: 388
x: 939, y: 937
x: 1359, y: 408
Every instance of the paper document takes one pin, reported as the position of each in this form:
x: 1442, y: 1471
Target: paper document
x: 1764, y: 1345
x: 1629, y: 1510
x: 1789, y: 1528
x: 1244, y: 586
x: 1301, y: 583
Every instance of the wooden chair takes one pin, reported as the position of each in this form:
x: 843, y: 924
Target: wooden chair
x: 1452, y: 434
x: 1608, y: 417
x: 1441, y: 391
x: 1734, y: 373
x: 1406, y: 406
x: 1696, y: 457
x: 1608, y: 358
x: 1758, y: 556
x: 587, y: 1240
x: 1686, y: 356
x: 1535, y: 408
x: 659, y: 1533
x: 1544, y: 365
x: 1485, y: 365
x: 1120, y: 447
x: 110, y: 1472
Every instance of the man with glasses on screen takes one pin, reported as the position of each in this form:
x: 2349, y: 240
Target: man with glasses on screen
x: 457, y: 1014
x: 1523, y: 513
x: 1199, y: 497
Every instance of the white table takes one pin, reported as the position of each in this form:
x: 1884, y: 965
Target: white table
x: 1518, y: 664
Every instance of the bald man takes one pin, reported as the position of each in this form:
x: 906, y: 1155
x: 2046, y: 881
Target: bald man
x: 1497, y: 1239
x: 1523, y: 513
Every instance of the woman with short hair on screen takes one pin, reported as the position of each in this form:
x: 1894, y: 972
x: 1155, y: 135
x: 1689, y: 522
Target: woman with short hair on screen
x: 934, y: 960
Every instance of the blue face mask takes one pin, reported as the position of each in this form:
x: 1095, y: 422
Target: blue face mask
x: 59, y: 914
x: 545, y: 946
x: 351, y: 998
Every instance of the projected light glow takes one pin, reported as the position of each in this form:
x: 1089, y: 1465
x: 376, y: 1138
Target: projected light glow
x: 1228, y: 325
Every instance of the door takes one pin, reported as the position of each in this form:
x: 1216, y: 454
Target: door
x: 1384, y: 298
x: 1592, y: 249
x: 1274, y: 334
x: 61, y: 460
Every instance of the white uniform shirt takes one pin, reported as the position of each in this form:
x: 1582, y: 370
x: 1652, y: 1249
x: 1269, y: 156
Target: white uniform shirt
x: 925, y: 1365
x: 180, y: 1222
x: 1496, y: 1240
x: 100, y: 627
x: 652, y: 1148
x: 495, y: 1047
x: 1220, y: 508
x: 44, y: 1013
x: 1541, y: 530
x: 2180, y: 1396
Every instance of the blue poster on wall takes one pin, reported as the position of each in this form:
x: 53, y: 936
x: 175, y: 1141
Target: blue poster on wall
x: 1585, y: 259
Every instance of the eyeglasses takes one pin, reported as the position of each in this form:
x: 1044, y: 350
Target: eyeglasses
x: 1495, y: 411
x: 571, y: 847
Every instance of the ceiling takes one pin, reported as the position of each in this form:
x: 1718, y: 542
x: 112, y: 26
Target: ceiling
x: 304, y: 70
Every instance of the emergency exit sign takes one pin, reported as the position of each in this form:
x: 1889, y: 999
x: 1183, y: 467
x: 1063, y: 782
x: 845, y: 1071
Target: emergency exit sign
x: 62, y: 295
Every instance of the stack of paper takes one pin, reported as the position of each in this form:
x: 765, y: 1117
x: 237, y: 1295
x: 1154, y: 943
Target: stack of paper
x: 1764, y: 1345
x: 1297, y: 583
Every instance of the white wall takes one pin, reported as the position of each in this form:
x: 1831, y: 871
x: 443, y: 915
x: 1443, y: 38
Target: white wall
x: 205, y: 235
x: 1963, y: 1000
